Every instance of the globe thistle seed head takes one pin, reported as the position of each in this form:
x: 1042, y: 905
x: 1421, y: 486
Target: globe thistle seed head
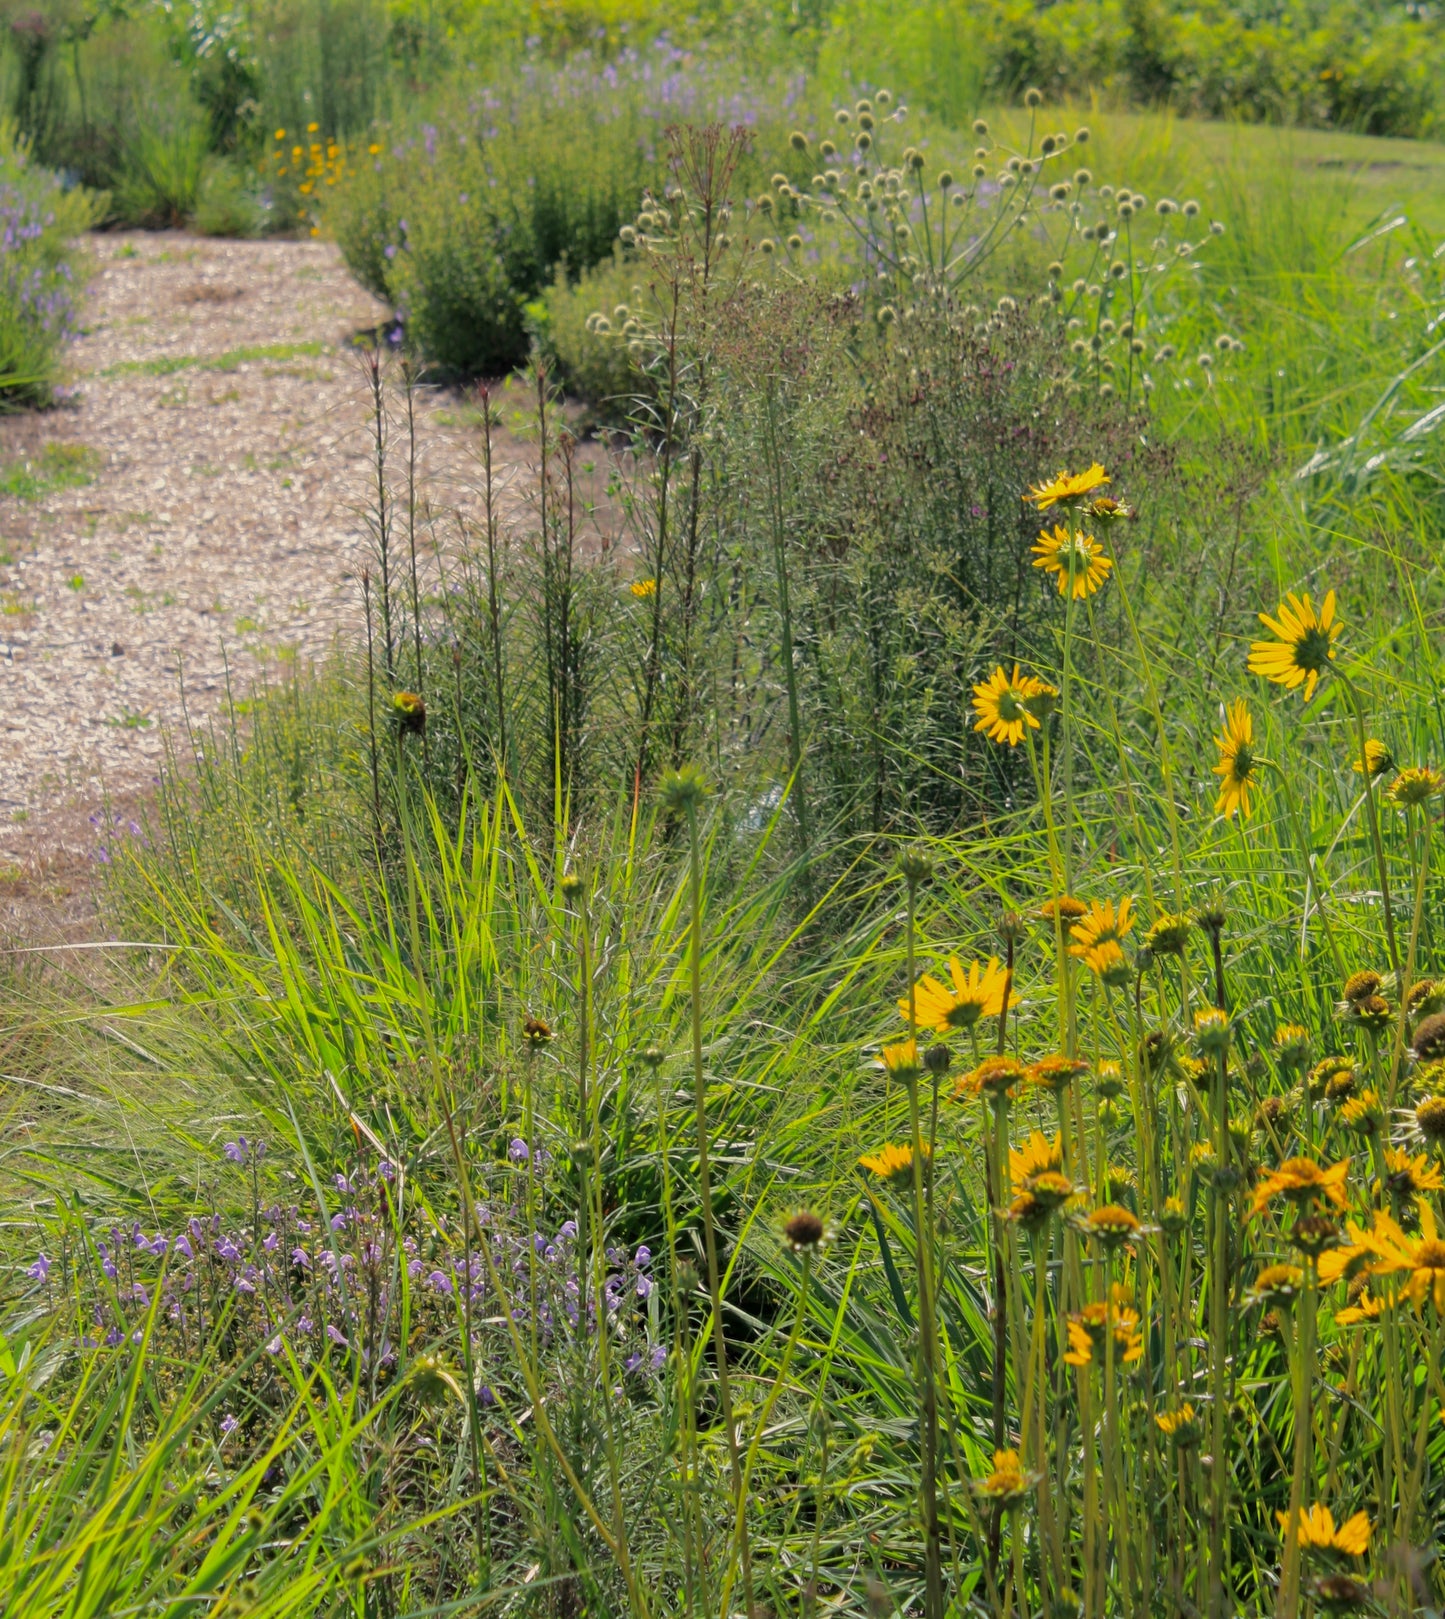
x: 1033, y: 98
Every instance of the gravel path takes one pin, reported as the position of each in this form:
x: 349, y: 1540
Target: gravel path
x: 196, y: 505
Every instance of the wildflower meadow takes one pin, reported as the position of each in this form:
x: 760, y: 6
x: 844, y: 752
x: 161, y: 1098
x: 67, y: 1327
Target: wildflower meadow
x: 836, y: 1003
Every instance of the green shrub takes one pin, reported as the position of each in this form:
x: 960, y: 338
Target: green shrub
x: 591, y: 365
x: 162, y: 160
x: 461, y: 214
x: 226, y: 202
x: 41, y: 271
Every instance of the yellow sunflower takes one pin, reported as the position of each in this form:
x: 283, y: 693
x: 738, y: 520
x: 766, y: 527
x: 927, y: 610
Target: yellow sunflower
x: 1102, y: 923
x: 1378, y: 759
x: 1067, y: 487
x: 1305, y: 647
x: 1038, y: 1156
x: 1302, y: 1180
x: 1002, y: 706
x: 1237, y: 761
x: 1317, y: 1529
x: 1422, y: 1257
x: 892, y: 1162
x: 977, y: 993
x: 1076, y: 558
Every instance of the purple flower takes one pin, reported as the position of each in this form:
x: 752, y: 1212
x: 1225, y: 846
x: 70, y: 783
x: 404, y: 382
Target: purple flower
x: 644, y: 1287
x: 299, y: 1256
x: 336, y: 1335
x: 39, y: 1270
x: 274, y: 1347
x: 229, y: 1424
x: 485, y: 1395
x: 236, y: 1150
x: 643, y: 1257
x: 518, y: 1151
x: 183, y: 1246
x: 659, y: 1357
x: 440, y: 1282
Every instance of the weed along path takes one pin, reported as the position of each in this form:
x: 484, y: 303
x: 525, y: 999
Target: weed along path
x: 197, y: 507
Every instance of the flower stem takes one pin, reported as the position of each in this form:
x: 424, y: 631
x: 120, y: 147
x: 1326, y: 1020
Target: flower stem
x: 704, y: 1181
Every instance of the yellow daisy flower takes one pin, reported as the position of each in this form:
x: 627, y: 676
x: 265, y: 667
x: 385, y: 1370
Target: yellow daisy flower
x: 1377, y: 761
x: 892, y: 1162
x: 977, y: 993
x: 1415, y: 787
x: 1076, y: 558
x: 1067, y: 487
x: 1317, y: 1530
x: 1305, y: 647
x: 1002, y: 706
x: 1008, y: 1484
x: 1237, y: 761
x: 1302, y: 1180
x: 1038, y: 1156
x: 1102, y: 923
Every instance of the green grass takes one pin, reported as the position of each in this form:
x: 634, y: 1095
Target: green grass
x: 231, y: 360
x: 54, y: 467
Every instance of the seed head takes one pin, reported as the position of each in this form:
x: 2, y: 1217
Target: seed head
x: 683, y: 791
x: 804, y: 1232
x: 915, y: 866
x: 1429, y: 1041
x: 1033, y: 98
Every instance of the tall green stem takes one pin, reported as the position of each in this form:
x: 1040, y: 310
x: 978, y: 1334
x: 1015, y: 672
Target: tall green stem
x: 704, y: 1180
x: 927, y: 1341
x: 1374, y: 818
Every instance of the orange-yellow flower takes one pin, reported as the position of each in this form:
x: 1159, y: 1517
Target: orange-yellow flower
x: 1002, y: 706
x: 1317, y: 1529
x: 1237, y: 761
x: 1076, y: 559
x: 977, y: 993
x: 1305, y: 647
x: 1067, y: 487
x: 1102, y: 923
x: 1302, y: 1180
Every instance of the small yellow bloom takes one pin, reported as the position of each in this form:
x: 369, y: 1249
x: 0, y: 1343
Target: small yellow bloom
x: 1237, y: 761
x: 374, y: 150
x: 312, y: 128
x: 1067, y: 487
x: 1302, y: 1180
x: 1008, y: 1484
x: 1077, y: 559
x: 1410, y: 1177
x: 1306, y: 644
x: 994, y: 1076
x: 280, y: 134
x: 1415, y: 787
x: 1317, y: 1529
x: 1087, y: 1329
x: 1423, y: 1257
x: 1038, y: 1156
x: 643, y: 589
x: 1377, y: 761
x: 892, y: 1162
x: 1002, y: 706
x: 1112, y: 1224
x: 1181, y: 1425
x: 977, y: 993
x: 1102, y: 923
